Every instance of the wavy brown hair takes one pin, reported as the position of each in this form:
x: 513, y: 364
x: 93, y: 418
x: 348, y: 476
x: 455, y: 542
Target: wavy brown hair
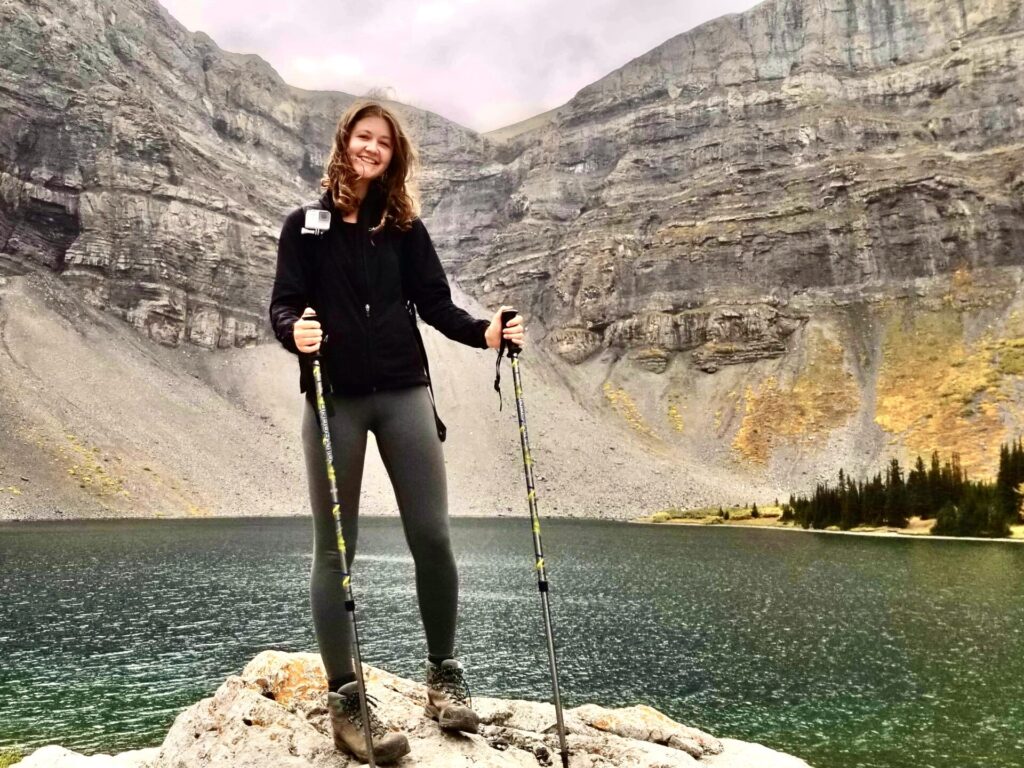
x: 401, y: 206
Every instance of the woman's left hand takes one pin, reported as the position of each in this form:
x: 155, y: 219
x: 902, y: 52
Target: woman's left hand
x: 515, y: 331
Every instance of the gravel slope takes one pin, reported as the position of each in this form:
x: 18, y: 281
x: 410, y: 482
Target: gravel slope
x: 99, y: 422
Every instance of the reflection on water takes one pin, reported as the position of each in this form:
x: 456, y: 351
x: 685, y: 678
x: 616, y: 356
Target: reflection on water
x: 849, y: 652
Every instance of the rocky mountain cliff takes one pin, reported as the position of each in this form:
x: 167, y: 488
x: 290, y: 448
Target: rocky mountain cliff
x: 789, y: 236
x: 152, y: 169
x: 786, y: 240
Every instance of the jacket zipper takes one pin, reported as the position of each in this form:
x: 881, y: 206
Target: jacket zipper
x: 369, y: 319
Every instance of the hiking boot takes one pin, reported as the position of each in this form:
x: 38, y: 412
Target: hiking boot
x: 448, y: 699
x: 347, y: 725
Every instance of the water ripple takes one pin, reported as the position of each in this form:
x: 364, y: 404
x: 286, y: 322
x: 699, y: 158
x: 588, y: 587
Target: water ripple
x: 843, y: 651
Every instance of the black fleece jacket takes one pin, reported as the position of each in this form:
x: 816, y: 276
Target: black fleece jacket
x: 358, y: 282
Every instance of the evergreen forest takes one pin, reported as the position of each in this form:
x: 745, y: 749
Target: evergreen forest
x: 959, y: 505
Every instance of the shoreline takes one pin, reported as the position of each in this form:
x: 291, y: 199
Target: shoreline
x: 890, y: 533
x: 303, y: 515
x: 764, y: 524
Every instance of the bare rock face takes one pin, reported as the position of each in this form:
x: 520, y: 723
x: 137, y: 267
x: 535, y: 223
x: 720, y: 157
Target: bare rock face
x: 575, y: 344
x: 771, y: 158
x: 791, y: 149
x: 275, y: 714
x: 721, y: 335
x: 153, y: 170
x: 799, y: 183
x: 728, y: 239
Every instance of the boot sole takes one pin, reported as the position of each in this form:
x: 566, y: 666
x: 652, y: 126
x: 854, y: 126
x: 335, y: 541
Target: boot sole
x: 468, y: 723
x: 396, y: 751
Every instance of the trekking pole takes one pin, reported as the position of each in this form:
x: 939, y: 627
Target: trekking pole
x: 538, y: 551
x: 346, y: 578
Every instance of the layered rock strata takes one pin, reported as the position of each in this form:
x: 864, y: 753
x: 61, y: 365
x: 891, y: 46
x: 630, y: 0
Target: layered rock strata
x: 768, y: 163
x: 764, y: 191
x: 791, y: 149
x: 794, y: 184
x: 152, y: 169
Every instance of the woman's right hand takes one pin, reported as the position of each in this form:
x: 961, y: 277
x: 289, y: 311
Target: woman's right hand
x: 307, y: 332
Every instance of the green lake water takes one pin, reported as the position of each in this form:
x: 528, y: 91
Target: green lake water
x: 850, y: 652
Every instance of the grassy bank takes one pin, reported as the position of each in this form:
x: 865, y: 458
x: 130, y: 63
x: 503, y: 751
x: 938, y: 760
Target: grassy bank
x: 771, y: 517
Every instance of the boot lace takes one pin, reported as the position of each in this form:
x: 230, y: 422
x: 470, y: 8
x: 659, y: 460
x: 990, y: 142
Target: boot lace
x: 347, y: 705
x: 452, y: 682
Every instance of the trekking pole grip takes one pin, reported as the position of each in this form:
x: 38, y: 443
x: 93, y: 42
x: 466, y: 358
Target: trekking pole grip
x: 310, y: 314
x: 506, y: 317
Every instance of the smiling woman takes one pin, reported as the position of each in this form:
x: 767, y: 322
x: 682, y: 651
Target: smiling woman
x: 371, y: 146
x: 369, y: 149
x: 353, y: 269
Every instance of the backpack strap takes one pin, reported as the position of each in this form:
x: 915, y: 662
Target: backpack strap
x: 410, y: 308
x: 305, y: 366
x: 442, y: 430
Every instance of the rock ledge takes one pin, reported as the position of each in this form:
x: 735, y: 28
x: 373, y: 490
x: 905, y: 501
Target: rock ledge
x: 274, y: 714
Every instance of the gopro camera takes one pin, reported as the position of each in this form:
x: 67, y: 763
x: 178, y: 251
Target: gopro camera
x: 317, y: 221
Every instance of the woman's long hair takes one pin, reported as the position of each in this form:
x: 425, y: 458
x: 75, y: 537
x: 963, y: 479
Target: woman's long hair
x: 401, y: 206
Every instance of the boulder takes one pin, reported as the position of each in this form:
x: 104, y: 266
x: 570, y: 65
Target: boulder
x: 274, y: 715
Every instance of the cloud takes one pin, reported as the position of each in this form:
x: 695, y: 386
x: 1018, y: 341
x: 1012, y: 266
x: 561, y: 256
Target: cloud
x: 481, y: 63
x: 318, y: 72
x: 435, y: 13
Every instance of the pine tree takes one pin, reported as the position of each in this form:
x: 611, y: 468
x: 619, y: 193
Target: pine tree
x: 847, y: 508
x: 874, y: 501
x: 787, y: 510
x: 947, y: 521
x: 935, y: 492
x: 1006, y: 491
x: 1016, y: 477
x: 895, y: 496
x: 919, y: 503
x: 957, y: 475
x: 961, y: 506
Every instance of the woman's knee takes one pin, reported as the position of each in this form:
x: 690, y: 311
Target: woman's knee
x: 431, y: 548
x: 329, y: 560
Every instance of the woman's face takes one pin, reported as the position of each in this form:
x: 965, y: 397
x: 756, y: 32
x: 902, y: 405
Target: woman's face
x: 370, y: 147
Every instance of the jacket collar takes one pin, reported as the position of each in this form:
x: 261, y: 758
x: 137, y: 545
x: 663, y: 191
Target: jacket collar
x: 371, y: 209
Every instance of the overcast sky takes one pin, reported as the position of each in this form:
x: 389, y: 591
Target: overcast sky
x: 482, y: 63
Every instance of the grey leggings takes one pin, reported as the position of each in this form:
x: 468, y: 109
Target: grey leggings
x: 403, y: 423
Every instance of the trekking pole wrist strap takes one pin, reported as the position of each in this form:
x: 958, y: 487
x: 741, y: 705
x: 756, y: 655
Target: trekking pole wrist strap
x: 503, y: 347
